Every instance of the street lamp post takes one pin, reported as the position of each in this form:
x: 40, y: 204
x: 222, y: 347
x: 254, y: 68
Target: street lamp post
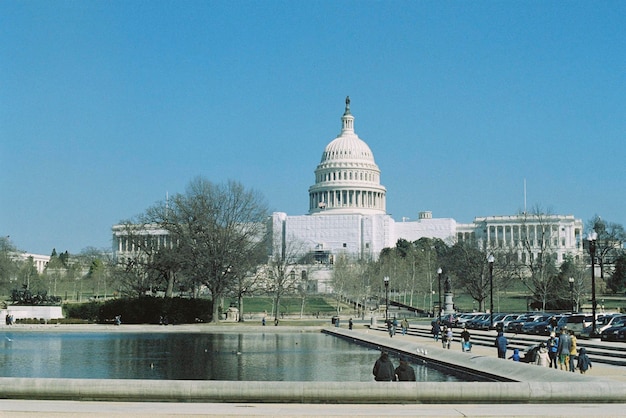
x: 439, y: 271
x: 386, y: 280
x: 571, y: 290
x: 592, y: 237
x: 490, y: 260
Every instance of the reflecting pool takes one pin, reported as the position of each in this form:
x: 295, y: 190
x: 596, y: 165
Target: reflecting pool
x: 193, y: 356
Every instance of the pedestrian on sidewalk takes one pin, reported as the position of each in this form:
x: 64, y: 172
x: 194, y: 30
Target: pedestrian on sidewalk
x: 466, y: 345
x: 515, y: 356
x: 584, y: 363
x: 501, y: 344
x: 404, y: 325
x: 553, y: 348
x: 572, y: 351
x: 543, y: 358
x: 435, y: 330
x: 446, y: 337
x: 565, y: 344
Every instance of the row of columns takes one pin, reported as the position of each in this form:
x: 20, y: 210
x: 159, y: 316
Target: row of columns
x: 127, y: 245
x: 511, y: 235
x: 347, y: 198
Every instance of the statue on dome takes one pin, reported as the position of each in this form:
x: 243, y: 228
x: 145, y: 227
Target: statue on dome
x: 347, y: 102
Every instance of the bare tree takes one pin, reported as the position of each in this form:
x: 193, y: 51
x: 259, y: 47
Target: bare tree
x: 537, y: 267
x: 609, y: 244
x: 468, y: 264
x: 283, y: 271
x: 215, y: 229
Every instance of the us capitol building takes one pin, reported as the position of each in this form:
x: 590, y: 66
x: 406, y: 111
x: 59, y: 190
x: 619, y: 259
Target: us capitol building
x: 347, y: 217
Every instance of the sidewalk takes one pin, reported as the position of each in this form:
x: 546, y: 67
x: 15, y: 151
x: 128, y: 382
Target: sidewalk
x: 600, y: 370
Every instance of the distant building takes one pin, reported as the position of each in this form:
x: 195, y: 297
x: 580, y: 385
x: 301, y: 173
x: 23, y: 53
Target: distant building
x: 39, y: 261
x: 347, y: 216
x: 564, y: 234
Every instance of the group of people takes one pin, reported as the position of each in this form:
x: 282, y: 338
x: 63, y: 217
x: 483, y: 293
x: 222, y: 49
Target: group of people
x: 384, y: 370
x: 392, y: 325
x: 561, y: 350
x: 447, y: 336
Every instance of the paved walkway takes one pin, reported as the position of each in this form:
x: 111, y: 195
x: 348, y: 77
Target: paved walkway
x: 600, y: 370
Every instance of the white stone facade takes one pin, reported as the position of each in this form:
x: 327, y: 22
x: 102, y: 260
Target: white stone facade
x: 564, y: 234
x: 39, y: 261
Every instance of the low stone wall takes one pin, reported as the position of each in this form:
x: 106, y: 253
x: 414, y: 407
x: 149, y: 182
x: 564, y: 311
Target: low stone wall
x: 310, y: 392
x: 23, y: 311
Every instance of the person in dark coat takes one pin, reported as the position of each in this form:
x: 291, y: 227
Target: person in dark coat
x: 435, y: 330
x: 501, y: 344
x: 384, y: 370
x: 583, y: 361
x: 405, y: 372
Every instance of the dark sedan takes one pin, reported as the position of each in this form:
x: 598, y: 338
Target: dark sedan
x: 613, y: 333
x: 516, y: 326
x: 544, y: 327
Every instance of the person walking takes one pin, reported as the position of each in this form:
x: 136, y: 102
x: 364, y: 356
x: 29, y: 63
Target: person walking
x: 436, y: 329
x: 444, y: 337
x: 543, y: 358
x: 466, y: 345
x: 584, y: 363
x: 384, y: 370
x: 449, y: 337
x: 405, y: 372
x: 553, y: 347
x: 404, y: 325
x: 565, y: 344
x: 572, y: 351
x: 501, y: 344
x: 350, y: 323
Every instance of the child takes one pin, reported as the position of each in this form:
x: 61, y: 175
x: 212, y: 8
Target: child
x: 584, y: 362
x: 543, y: 359
x: 515, y: 356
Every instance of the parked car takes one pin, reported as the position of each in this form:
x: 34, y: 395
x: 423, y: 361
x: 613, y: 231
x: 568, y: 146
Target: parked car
x: 545, y: 327
x: 516, y: 326
x: 577, y: 322
x: 502, y: 323
x: 612, y: 333
x: 473, y: 324
x: 463, y: 319
x: 602, y: 323
x: 512, y: 326
x: 528, y: 327
x: 485, y: 323
x: 621, y: 334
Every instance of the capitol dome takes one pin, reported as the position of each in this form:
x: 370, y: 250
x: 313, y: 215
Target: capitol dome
x: 347, y: 179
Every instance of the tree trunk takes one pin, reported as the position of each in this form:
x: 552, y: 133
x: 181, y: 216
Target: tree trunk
x: 240, y: 303
x: 169, y: 292
x: 215, y: 318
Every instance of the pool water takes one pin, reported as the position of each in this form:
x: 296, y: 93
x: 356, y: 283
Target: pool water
x: 187, y: 356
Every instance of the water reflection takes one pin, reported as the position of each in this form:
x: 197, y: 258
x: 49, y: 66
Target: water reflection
x: 249, y: 356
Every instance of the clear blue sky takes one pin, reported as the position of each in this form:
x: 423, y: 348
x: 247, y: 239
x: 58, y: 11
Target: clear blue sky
x: 107, y: 105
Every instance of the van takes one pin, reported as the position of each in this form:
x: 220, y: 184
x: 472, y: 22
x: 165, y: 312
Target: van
x: 576, y: 322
